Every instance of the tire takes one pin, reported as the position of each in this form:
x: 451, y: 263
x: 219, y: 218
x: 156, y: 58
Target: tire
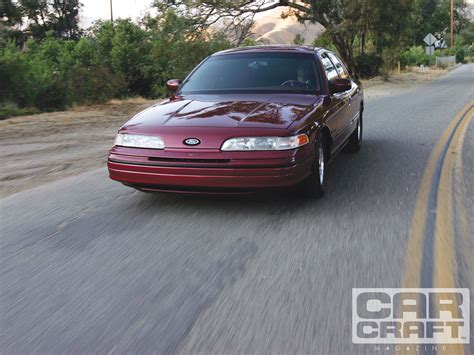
x: 355, y: 140
x: 314, y: 185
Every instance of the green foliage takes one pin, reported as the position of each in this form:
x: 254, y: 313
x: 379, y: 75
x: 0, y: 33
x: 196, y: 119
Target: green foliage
x: 11, y: 70
x: 173, y: 53
x: 467, y: 35
x: 249, y: 42
x: 460, y: 55
x: 123, y: 47
x: 10, y: 13
x: 298, y: 40
x: 33, y: 19
x: 10, y: 19
x: 325, y: 41
x: 415, y: 56
x: 7, y: 112
x: 368, y: 64
x: 433, y: 16
x: 111, y: 61
x: 48, y: 63
x: 54, y: 73
x: 63, y: 19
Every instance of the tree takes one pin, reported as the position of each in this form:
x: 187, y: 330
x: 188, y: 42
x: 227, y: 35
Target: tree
x: 123, y: 46
x: 298, y: 40
x: 461, y: 15
x: 10, y: 13
x: 176, y: 47
x: 10, y: 22
x: 433, y: 16
x: 58, y: 16
x: 240, y: 32
x: 389, y: 28
x: 203, y: 18
x: 343, y: 20
x: 422, y: 18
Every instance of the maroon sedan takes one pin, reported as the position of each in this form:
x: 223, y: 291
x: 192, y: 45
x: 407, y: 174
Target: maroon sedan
x: 245, y: 119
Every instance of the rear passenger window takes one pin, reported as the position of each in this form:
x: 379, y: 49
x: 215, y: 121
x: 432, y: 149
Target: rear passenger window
x: 329, y: 68
x: 340, y: 68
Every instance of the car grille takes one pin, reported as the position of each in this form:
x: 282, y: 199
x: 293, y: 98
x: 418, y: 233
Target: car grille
x: 189, y: 160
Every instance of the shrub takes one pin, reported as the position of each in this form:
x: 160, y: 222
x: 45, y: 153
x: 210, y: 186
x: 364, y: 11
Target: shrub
x: 416, y: 56
x: 111, y: 61
x: 7, y: 112
x: 96, y: 84
x: 368, y: 65
x: 49, y: 98
x: 13, y: 74
x: 460, y: 55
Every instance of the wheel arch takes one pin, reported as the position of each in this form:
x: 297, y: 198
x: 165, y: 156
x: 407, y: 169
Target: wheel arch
x: 326, y: 133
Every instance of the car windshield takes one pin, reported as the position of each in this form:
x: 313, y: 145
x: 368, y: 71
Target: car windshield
x: 255, y: 72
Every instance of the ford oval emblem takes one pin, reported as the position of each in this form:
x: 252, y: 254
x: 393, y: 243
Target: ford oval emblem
x: 192, y: 141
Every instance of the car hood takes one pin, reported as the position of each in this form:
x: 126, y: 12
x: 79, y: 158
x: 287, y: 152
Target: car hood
x: 262, y: 111
x: 213, y: 119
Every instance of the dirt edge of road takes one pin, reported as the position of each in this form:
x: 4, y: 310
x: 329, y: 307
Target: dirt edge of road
x: 395, y: 84
x: 41, y: 148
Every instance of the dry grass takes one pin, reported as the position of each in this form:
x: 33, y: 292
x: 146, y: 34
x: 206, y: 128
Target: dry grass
x: 381, y: 86
x: 40, y: 148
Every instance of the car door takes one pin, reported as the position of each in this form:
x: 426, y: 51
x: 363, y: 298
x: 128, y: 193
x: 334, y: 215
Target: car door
x: 338, y: 110
x: 351, y: 98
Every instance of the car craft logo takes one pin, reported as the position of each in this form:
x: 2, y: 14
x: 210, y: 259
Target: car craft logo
x: 410, y: 315
x: 192, y: 141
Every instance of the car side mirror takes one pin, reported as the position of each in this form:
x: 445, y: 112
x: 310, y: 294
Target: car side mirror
x: 173, y: 84
x: 339, y: 85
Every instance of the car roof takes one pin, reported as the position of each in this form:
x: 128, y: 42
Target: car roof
x: 270, y: 48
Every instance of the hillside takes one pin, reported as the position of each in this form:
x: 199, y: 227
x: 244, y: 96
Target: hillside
x: 270, y: 28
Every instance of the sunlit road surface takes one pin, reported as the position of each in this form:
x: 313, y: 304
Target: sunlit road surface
x: 88, y: 265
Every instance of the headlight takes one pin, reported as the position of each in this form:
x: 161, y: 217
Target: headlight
x: 139, y: 141
x: 265, y: 143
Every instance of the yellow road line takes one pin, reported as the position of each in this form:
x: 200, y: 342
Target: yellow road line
x: 460, y: 193
x: 444, y: 235
x: 443, y: 253
x: 444, y: 244
x: 412, y: 270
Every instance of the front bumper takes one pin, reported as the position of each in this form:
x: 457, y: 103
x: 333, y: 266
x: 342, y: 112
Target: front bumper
x: 205, y: 171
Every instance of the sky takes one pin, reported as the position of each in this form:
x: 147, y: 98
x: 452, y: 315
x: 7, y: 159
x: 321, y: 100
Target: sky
x: 100, y: 9
x: 93, y: 10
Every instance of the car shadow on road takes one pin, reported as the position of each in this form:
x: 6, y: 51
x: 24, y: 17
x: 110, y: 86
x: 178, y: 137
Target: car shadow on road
x: 363, y: 186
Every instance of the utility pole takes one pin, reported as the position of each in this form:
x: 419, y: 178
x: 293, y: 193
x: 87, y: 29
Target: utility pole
x: 111, y: 12
x: 452, y: 23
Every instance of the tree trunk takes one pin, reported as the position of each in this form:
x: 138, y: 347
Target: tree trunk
x: 363, y: 38
x: 345, y: 51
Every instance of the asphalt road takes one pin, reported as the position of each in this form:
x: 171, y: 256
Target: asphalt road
x: 88, y: 265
